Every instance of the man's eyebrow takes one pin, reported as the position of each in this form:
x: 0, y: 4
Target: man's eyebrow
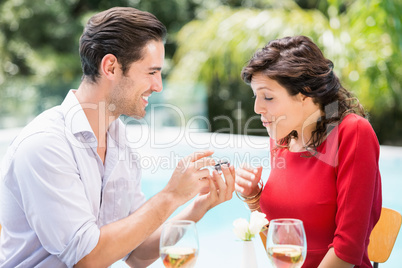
x: 155, y: 68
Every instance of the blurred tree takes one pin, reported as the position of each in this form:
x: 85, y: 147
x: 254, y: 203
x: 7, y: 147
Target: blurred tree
x: 373, y: 69
x: 358, y: 36
x: 39, y: 58
x: 222, y: 44
x: 36, y: 48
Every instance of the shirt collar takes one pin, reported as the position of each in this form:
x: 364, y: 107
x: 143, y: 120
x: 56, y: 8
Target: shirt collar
x: 74, y: 116
x: 117, y: 132
x: 77, y: 122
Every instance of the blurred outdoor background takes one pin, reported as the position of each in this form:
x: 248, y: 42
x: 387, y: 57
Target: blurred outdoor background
x: 209, y: 41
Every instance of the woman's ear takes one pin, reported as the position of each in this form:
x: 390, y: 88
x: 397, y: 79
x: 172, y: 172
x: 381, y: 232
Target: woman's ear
x: 300, y: 97
x: 308, y: 103
x: 109, y: 66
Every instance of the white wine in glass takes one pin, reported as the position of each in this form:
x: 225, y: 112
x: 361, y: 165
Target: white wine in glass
x: 286, y: 243
x: 179, y: 244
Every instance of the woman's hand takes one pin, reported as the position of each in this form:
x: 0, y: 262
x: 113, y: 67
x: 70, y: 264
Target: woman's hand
x: 247, y: 179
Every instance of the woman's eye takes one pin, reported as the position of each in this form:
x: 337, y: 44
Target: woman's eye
x: 268, y: 98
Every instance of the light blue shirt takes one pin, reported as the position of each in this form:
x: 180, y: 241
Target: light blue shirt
x: 55, y: 192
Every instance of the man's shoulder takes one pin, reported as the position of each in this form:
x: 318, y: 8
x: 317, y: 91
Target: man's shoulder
x: 49, y: 122
x: 43, y: 132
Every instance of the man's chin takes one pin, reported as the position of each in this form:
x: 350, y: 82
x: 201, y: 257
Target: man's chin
x: 135, y: 116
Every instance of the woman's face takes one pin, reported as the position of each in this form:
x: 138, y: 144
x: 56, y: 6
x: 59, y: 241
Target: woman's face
x: 280, y: 112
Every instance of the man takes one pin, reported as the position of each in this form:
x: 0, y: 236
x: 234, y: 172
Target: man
x: 69, y: 196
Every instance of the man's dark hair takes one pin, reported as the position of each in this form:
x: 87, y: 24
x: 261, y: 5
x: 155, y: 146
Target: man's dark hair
x: 121, y: 31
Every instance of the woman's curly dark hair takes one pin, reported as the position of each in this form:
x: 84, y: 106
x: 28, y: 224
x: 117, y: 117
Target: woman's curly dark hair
x: 299, y: 66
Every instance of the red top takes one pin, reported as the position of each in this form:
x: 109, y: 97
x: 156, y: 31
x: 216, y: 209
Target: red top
x: 336, y: 193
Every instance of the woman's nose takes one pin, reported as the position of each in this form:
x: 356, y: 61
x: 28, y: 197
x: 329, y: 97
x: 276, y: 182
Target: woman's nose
x: 259, y: 107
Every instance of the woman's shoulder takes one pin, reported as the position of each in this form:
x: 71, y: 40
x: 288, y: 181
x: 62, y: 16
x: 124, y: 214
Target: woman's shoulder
x: 354, y: 122
x: 354, y: 127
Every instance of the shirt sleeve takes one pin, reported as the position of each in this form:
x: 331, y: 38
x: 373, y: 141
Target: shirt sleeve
x: 359, y: 189
x: 53, y: 198
x: 139, y: 197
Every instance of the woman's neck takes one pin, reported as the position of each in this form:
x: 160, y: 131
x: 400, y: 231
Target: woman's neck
x: 305, y: 132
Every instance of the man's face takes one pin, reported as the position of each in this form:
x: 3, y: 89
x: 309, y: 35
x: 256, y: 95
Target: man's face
x: 131, y: 93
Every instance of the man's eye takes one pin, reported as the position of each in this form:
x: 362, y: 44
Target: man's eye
x: 152, y: 73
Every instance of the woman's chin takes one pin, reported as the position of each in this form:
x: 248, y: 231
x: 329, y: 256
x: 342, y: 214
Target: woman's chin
x: 275, y: 135
x: 270, y: 134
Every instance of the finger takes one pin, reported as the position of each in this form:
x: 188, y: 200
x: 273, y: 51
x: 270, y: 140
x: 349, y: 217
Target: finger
x: 259, y: 171
x: 215, y: 180
x: 221, y: 186
x: 232, y: 171
x: 244, y: 190
x: 243, y: 182
x: 205, y: 189
x: 250, y: 168
x: 247, y: 175
x: 198, y: 155
x: 212, y: 192
x: 204, y: 162
x: 203, y: 173
x: 203, y: 183
x: 228, y: 172
x: 239, y: 189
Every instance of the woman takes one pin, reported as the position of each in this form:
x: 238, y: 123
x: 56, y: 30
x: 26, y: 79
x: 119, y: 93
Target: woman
x: 324, y: 153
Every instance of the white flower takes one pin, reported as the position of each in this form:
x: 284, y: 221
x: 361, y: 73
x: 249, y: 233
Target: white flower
x: 257, y: 222
x: 245, y: 230
x: 240, y: 228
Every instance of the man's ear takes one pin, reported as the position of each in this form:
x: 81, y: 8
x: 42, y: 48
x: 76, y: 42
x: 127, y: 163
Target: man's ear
x: 109, y: 66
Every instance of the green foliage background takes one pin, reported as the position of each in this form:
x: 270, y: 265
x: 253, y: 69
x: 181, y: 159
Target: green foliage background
x: 208, y: 44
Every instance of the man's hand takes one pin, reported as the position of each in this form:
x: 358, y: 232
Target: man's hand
x: 218, y: 191
x: 189, y: 177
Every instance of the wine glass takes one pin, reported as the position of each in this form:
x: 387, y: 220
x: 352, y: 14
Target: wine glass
x: 286, y: 243
x: 179, y: 244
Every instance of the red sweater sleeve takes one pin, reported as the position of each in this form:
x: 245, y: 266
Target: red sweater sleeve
x: 359, y: 189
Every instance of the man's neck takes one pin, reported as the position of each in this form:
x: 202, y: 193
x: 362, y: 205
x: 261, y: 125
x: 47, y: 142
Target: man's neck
x: 93, y: 100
